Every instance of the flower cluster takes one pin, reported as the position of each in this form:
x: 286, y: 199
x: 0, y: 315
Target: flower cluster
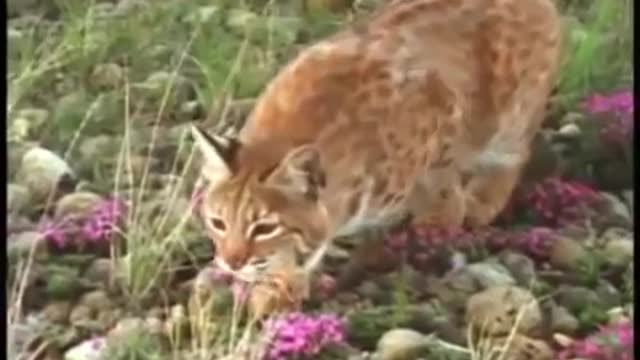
x: 96, y: 227
x: 553, y: 202
x: 617, y: 109
x: 610, y: 343
x: 423, y: 243
x: 302, y: 336
x: 101, y: 223
x: 620, y: 103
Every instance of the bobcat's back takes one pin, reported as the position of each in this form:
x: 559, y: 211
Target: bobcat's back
x: 382, y: 120
x: 422, y: 83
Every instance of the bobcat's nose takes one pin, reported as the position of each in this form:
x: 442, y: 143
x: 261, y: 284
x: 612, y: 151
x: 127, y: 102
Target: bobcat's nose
x: 236, y: 259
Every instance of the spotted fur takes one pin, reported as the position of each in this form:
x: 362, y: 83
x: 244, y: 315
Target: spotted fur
x: 427, y: 109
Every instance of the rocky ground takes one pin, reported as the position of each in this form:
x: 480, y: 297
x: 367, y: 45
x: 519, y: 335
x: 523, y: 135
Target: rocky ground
x: 108, y: 261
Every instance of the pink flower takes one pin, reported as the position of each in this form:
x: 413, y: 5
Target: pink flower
x: 325, y: 285
x: 302, y: 336
x: 609, y: 343
x: 620, y: 102
x: 56, y: 233
x: 102, y: 222
x: 97, y: 226
x: 616, y: 112
x: 553, y: 202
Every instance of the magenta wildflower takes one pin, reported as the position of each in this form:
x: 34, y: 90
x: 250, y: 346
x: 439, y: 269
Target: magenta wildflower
x: 422, y: 243
x: 553, y: 202
x: 99, y: 225
x: 609, y: 343
x: 57, y: 233
x: 620, y: 103
x: 102, y: 222
x: 536, y: 241
x: 616, y: 114
x: 302, y: 336
x: 325, y: 285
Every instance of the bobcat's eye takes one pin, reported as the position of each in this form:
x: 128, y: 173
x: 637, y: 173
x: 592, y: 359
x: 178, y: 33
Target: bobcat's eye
x: 218, y: 224
x: 262, y: 230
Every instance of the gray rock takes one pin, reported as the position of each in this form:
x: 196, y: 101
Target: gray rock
x: 77, y: 204
x: 371, y: 290
x: 618, y: 211
x: 518, y: 348
x: 100, y: 272
x: 93, y: 349
x: 189, y: 109
x: 36, y: 117
x: 108, y: 318
x: 80, y: 315
x: 609, y: 295
x: 107, y: 76
x: 154, y: 325
x: 497, y: 309
x: 15, y: 153
x: 520, y: 266
x: 126, y: 327
x: 18, y: 130
x: 620, y: 314
x: 567, y: 253
x: 21, y: 244
x: 18, y: 223
x: 240, y: 20
x: 562, y: 320
x: 14, y: 36
x: 401, y: 344
x: 23, y: 333
x: 18, y: 198
x: 154, y: 87
x: 97, y: 301
x: 22, y: 7
x: 569, y: 131
x: 490, y: 274
x: 58, y: 312
x: 576, y: 298
x: 454, y: 289
x: 126, y: 7
x: 572, y: 118
x: 92, y: 148
x: 42, y: 172
x: 202, y: 15
x: 618, y: 246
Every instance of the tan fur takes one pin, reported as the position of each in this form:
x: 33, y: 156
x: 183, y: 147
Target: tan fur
x: 427, y: 109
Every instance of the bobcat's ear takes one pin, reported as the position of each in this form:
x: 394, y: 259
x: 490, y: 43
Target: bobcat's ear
x: 218, y: 152
x: 300, y: 173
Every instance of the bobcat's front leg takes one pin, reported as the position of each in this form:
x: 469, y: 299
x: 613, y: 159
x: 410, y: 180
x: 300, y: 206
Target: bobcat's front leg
x: 286, y: 283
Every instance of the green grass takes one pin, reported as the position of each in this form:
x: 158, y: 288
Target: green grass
x: 598, y: 53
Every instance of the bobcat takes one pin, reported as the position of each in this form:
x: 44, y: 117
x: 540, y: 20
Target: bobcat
x: 427, y: 110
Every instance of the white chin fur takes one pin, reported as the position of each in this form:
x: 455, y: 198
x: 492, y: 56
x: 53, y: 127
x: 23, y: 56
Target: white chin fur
x: 248, y: 273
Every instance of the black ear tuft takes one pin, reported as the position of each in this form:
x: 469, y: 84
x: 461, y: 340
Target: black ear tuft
x: 218, y: 152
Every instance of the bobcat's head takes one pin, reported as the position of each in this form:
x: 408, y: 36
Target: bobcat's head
x: 261, y: 202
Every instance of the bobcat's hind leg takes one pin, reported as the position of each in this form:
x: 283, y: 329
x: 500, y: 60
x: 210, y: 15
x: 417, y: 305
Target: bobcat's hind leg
x: 439, y: 199
x: 487, y: 194
x: 368, y: 255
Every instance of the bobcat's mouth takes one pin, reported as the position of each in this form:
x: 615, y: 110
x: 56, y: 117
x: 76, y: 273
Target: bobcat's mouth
x: 250, y: 272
